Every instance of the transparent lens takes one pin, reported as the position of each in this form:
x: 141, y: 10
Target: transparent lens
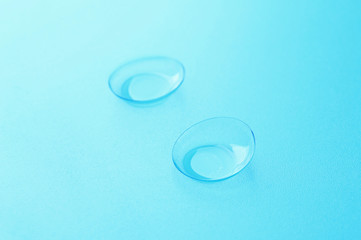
x: 147, y: 80
x: 214, y: 149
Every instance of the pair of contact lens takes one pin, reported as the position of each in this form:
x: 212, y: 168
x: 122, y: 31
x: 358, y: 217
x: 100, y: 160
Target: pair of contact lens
x: 211, y: 150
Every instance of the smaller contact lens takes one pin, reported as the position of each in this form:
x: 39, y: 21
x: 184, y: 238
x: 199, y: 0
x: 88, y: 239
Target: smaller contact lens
x: 147, y: 80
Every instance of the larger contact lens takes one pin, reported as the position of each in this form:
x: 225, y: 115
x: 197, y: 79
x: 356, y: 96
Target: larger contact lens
x: 147, y: 79
x: 214, y: 149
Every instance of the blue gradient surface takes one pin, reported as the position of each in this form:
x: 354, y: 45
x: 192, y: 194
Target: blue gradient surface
x: 76, y: 162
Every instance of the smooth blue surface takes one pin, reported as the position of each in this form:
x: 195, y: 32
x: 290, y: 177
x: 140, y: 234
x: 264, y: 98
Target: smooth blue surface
x: 78, y: 163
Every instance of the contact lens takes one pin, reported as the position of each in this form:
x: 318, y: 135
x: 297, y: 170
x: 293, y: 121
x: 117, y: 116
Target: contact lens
x: 214, y: 149
x: 147, y: 80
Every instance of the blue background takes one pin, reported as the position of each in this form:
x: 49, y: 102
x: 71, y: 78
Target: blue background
x: 78, y: 163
